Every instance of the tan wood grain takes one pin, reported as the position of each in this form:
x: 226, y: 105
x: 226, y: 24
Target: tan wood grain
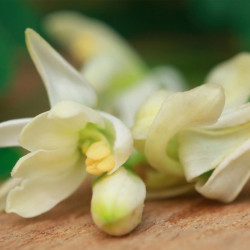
x: 186, y: 222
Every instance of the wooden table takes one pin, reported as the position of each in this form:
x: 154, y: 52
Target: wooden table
x: 186, y: 222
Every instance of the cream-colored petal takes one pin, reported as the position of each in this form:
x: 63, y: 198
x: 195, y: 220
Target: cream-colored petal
x: 10, y: 131
x: 99, y: 48
x: 38, y: 195
x: 202, y: 150
x: 42, y: 163
x: 74, y: 116
x: 45, y: 133
x: 61, y: 80
x: 128, y: 102
x: 202, y: 105
x: 232, y: 117
x: 147, y: 113
x: 123, y: 143
x: 170, y: 191
x: 5, y: 187
x: 229, y: 177
x: 234, y: 76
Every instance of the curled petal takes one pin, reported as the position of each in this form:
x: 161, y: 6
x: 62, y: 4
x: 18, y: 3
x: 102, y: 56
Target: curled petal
x: 38, y: 195
x: 45, y: 133
x: 123, y: 143
x: 131, y: 99
x: 228, y: 179
x: 200, y: 106
x: 74, y: 116
x: 232, y: 117
x: 202, y: 150
x: 234, y: 76
x: 10, y: 131
x: 5, y: 187
x: 44, y: 163
x: 147, y: 113
x: 61, y: 80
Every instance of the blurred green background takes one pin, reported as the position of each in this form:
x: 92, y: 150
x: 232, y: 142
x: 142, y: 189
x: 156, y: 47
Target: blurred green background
x: 192, y: 35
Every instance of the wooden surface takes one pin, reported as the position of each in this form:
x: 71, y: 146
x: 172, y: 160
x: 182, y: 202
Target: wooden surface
x: 187, y: 222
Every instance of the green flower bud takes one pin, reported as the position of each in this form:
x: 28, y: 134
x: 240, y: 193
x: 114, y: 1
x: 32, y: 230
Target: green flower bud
x: 117, y: 202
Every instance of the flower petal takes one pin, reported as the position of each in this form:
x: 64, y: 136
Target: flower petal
x: 5, y: 187
x: 61, y: 80
x: 74, y: 116
x: 10, y: 131
x: 123, y: 144
x: 202, y: 150
x: 232, y: 117
x: 38, y: 195
x: 42, y: 163
x: 45, y: 133
x: 229, y: 177
x: 99, y: 48
x: 234, y: 76
x: 202, y: 105
x: 170, y: 191
x: 131, y: 99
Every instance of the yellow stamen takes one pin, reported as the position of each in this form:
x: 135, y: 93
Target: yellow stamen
x: 98, y: 151
x: 99, y: 158
x: 107, y: 164
x: 93, y: 170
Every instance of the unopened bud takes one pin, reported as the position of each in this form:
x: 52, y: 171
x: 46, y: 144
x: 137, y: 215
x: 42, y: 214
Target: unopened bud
x: 118, y: 201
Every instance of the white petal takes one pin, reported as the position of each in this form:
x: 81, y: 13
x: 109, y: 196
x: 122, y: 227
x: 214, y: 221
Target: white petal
x: 202, y: 105
x: 234, y: 76
x: 42, y: 163
x: 128, y: 102
x: 5, y: 187
x: 10, y: 131
x: 99, y: 48
x: 202, y: 150
x: 38, y: 195
x: 169, y: 192
x: 229, y: 177
x: 232, y: 117
x: 74, y: 115
x: 61, y: 80
x: 147, y: 113
x: 45, y: 133
x: 123, y: 144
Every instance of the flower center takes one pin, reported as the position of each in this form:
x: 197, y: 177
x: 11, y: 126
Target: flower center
x: 99, y: 157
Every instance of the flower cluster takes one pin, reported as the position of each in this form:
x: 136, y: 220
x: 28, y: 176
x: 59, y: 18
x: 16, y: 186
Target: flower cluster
x: 183, y: 140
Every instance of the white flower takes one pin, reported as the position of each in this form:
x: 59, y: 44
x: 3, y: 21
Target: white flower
x: 159, y: 122
x: 66, y: 141
x: 173, y: 131
x: 117, y: 211
x: 217, y: 157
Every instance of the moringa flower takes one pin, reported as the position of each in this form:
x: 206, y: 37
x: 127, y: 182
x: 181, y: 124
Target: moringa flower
x: 217, y: 157
x: 160, y: 121
x: 117, y: 211
x: 123, y: 80
x: 214, y: 157
x: 65, y: 142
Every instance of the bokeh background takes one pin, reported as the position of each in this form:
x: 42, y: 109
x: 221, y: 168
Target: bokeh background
x: 192, y: 35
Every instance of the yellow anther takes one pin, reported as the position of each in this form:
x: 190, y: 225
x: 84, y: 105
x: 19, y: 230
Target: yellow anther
x: 93, y: 170
x: 89, y: 162
x: 107, y: 164
x: 99, y: 158
x: 98, y: 151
